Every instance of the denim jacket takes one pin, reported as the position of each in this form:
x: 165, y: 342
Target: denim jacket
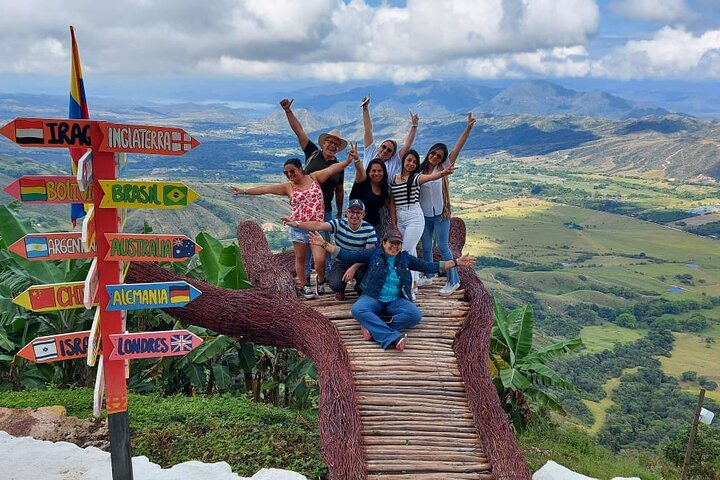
x: 377, y: 269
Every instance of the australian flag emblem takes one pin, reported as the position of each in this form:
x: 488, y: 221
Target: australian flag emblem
x: 183, y: 248
x: 180, y: 343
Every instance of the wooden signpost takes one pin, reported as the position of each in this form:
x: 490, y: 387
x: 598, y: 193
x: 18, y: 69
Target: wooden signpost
x: 169, y: 343
x: 51, y: 246
x: 96, y: 182
x: 48, y: 189
x: 150, y: 247
x: 55, y: 348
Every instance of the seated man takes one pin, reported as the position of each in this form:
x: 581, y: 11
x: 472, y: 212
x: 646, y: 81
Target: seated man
x: 387, y: 286
x: 351, y: 233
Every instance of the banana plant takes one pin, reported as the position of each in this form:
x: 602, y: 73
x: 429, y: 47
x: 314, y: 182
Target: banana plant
x: 521, y: 375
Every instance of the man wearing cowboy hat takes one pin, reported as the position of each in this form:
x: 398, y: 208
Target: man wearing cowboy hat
x: 317, y: 158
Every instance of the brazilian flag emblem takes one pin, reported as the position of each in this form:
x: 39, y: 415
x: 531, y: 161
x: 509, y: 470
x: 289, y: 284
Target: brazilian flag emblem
x: 175, y: 195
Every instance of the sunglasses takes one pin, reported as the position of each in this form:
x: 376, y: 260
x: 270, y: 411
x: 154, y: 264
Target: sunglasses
x: 289, y: 172
x: 385, y: 147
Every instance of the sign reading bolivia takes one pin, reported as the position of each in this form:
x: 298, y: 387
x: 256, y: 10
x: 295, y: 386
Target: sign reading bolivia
x: 66, y: 133
x: 137, y: 194
x: 43, y: 132
x: 55, y: 348
x: 150, y: 247
x: 48, y: 189
x: 51, y: 246
x: 56, y: 296
x: 169, y: 343
x: 145, y: 139
x: 135, y: 296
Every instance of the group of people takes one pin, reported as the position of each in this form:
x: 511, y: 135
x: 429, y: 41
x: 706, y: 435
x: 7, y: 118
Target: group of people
x: 396, y: 201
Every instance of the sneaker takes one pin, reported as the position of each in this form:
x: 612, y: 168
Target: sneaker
x: 366, y: 334
x: 319, y: 288
x: 449, y: 288
x: 339, y: 296
x: 423, y: 280
x: 400, y: 343
x: 306, y: 292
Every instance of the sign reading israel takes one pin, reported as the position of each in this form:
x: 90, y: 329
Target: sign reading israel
x: 150, y: 247
x: 43, y: 132
x: 168, y: 343
x: 51, y: 246
x: 137, y: 296
x: 55, y: 348
x: 145, y: 139
x: 48, y: 189
x: 57, y: 296
x: 136, y: 194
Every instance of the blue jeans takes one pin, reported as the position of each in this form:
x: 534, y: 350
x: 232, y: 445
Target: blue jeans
x: 441, y: 228
x: 404, y: 315
x: 309, y: 257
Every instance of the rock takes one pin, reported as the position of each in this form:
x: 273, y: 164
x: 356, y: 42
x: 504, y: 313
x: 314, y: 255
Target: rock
x: 555, y: 471
x: 53, y: 424
x: 277, y: 474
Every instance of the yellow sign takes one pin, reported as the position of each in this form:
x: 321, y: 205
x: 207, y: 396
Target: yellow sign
x: 133, y: 194
x: 56, y: 296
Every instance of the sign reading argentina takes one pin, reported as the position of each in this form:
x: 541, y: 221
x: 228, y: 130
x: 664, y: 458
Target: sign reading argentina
x: 136, y: 296
x: 51, y: 246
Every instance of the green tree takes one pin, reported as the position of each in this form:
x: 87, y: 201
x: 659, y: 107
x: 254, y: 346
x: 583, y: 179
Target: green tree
x: 522, y: 377
x: 705, y: 458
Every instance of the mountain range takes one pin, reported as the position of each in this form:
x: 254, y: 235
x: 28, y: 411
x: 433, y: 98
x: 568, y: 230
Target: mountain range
x: 537, y: 120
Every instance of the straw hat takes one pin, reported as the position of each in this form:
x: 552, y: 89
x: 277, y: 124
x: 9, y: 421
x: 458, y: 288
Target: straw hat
x: 334, y: 134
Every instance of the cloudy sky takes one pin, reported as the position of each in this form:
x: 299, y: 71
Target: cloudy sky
x: 342, y: 40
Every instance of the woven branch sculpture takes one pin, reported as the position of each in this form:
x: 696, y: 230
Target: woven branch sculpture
x: 271, y: 314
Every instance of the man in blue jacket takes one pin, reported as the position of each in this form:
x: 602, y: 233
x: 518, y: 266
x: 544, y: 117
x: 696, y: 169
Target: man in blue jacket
x: 387, y: 286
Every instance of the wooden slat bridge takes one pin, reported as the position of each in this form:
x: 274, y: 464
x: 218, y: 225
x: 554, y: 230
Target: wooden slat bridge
x: 416, y: 421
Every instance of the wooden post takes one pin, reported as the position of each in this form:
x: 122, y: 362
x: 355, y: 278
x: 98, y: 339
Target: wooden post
x: 693, y: 433
x: 106, y: 221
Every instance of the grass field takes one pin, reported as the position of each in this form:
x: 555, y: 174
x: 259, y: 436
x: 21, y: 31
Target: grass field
x: 597, y: 338
x: 691, y: 352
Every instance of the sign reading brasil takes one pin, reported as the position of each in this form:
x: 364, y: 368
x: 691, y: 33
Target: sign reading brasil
x: 115, y: 137
x: 136, y: 194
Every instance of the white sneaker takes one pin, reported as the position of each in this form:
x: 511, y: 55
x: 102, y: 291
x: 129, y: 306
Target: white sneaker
x: 449, y: 288
x: 423, y: 280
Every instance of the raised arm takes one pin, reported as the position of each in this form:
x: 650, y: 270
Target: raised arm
x: 463, y: 138
x: 321, y: 176
x: 436, y: 174
x: 410, y: 139
x: 294, y: 123
x: 367, y: 123
x: 360, y: 173
x: 274, y: 189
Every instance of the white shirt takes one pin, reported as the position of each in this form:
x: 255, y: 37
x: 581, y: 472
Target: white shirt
x: 431, y: 195
x: 392, y: 166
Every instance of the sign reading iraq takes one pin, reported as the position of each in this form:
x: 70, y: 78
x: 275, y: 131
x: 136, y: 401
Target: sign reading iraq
x: 114, y: 137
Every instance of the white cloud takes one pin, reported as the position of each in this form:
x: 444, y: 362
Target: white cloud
x: 668, y: 11
x: 672, y: 52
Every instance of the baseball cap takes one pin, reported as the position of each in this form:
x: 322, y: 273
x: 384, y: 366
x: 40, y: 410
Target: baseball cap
x: 392, y: 236
x: 357, y: 204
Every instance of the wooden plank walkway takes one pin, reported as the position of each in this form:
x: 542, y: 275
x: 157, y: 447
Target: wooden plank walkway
x: 413, y: 406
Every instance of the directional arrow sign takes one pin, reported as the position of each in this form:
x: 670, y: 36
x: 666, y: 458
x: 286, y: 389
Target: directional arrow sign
x: 137, y: 296
x: 55, y: 348
x: 88, y: 229
x: 94, y: 341
x: 84, y: 175
x: 132, y: 194
x: 92, y: 285
x: 44, y: 132
x: 169, y: 343
x: 150, y: 248
x: 145, y: 139
x: 48, y: 189
x: 51, y: 246
x: 56, y: 296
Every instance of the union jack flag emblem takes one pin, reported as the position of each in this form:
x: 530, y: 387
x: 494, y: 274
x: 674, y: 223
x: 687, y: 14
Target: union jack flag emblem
x: 180, y: 343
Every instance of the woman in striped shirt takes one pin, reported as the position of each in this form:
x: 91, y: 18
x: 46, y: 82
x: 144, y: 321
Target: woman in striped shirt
x: 405, y: 212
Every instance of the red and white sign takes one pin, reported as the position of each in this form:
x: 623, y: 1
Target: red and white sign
x: 168, y: 343
x: 145, y: 139
x: 55, y: 348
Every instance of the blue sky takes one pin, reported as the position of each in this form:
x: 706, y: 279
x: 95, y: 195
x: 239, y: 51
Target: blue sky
x: 291, y: 42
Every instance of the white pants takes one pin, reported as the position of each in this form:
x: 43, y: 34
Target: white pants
x: 411, y: 222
